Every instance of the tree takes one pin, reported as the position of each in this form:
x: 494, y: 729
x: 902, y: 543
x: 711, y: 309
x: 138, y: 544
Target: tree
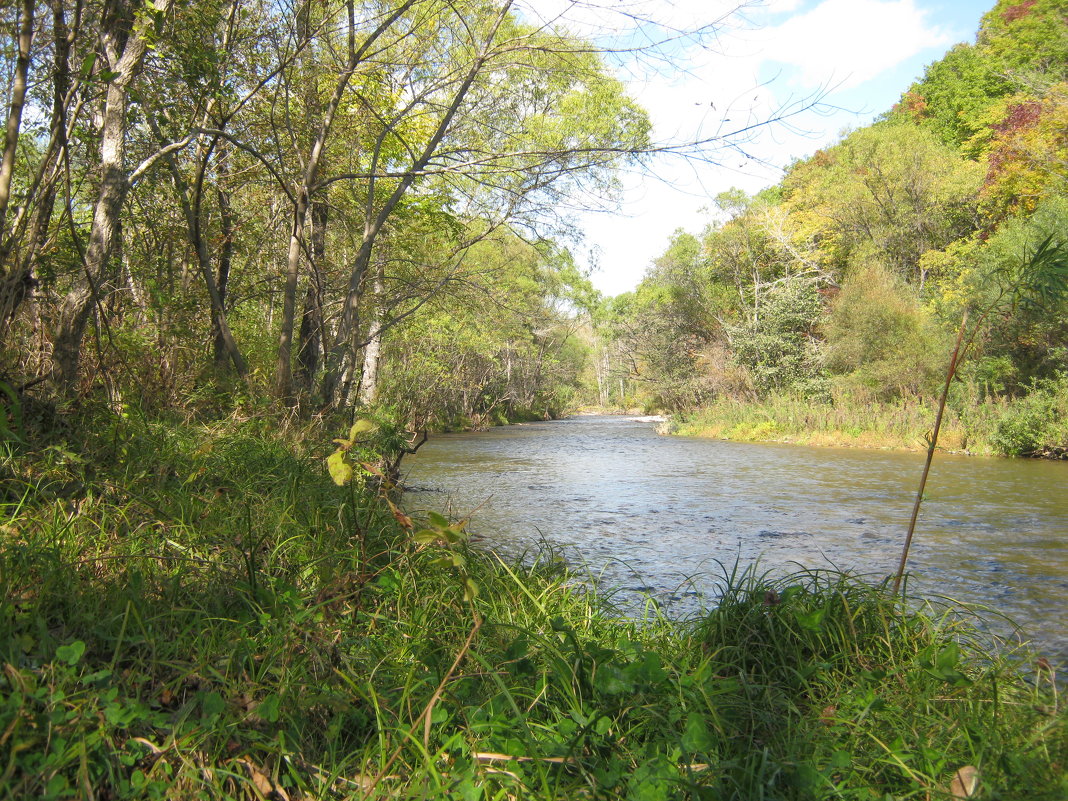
x: 889, y: 191
x: 125, y: 30
x: 881, y: 339
x: 1027, y: 155
x: 779, y: 348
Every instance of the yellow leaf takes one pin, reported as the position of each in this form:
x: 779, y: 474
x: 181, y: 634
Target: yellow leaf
x: 361, y: 427
x: 339, y: 467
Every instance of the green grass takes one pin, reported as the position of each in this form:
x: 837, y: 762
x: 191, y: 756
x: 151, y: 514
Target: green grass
x: 1032, y: 425
x: 198, y: 612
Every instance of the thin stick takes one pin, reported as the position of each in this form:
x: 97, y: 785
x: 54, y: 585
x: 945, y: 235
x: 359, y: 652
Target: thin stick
x: 930, y: 452
x: 430, y: 706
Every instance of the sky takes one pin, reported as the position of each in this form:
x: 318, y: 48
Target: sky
x: 857, y: 55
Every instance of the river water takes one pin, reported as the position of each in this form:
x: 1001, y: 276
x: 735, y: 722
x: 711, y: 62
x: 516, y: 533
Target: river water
x: 654, y: 515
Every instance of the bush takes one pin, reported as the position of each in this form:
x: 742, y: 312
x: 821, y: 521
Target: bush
x: 1036, y: 424
x: 777, y: 346
x: 880, y: 338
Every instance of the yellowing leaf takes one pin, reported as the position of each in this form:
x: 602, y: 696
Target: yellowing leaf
x: 470, y: 590
x: 965, y: 782
x: 339, y: 467
x: 361, y: 427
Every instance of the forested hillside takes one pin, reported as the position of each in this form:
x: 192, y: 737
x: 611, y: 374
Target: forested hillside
x: 832, y: 299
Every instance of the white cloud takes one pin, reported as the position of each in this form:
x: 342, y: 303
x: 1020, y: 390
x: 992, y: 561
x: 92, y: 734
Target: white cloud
x: 711, y: 87
x: 852, y: 41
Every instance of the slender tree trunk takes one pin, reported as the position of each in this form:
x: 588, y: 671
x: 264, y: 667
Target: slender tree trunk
x: 190, y: 199
x: 18, y: 100
x: 123, y: 54
x: 283, y: 380
x: 223, y: 350
x: 310, y: 349
x: 13, y: 281
x: 372, y: 353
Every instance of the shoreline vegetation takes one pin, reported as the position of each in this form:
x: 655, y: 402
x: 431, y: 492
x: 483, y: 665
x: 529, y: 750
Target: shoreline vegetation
x: 198, y: 611
x: 1035, y: 427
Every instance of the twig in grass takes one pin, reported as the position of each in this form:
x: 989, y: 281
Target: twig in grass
x: 429, y: 708
x: 932, y: 442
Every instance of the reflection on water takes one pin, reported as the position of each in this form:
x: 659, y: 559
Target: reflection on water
x: 656, y: 514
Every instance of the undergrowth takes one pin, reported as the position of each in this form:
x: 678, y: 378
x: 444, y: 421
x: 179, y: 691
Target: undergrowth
x: 199, y: 612
x: 1029, y: 426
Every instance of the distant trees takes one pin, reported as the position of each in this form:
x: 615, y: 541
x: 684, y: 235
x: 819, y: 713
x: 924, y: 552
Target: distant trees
x: 846, y: 279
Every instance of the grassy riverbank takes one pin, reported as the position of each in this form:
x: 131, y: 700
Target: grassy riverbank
x: 196, y: 611
x: 1036, y: 425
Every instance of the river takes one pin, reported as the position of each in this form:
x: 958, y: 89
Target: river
x: 654, y: 515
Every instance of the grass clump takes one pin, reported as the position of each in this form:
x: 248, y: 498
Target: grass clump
x: 199, y: 612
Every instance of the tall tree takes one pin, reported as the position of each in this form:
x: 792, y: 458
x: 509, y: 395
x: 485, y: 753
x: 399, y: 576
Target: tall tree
x: 125, y: 30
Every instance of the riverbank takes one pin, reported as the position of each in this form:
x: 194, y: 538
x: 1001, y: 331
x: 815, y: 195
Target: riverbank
x: 198, y: 611
x: 1036, y: 425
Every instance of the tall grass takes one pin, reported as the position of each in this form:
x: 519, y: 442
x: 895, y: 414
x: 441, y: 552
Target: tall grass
x: 1033, y: 425
x: 198, y: 612
x: 839, y: 422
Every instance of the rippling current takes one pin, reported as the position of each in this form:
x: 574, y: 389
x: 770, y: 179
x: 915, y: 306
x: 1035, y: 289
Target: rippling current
x: 656, y: 515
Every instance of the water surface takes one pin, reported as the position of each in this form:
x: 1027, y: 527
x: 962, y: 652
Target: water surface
x: 652, y: 514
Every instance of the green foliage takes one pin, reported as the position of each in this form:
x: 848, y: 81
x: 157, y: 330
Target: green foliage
x: 1018, y: 43
x: 1021, y: 273
x: 888, y: 192
x: 1035, y: 424
x: 950, y: 205
x: 952, y: 97
x: 220, y: 620
x: 487, y: 353
x: 880, y: 338
x: 777, y: 346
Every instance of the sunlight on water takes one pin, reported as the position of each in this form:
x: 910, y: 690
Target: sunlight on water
x: 659, y: 515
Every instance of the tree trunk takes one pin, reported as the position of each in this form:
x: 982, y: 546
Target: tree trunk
x: 14, y: 282
x: 98, y: 277
x: 372, y: 353
x: 223, y: 351
x: 191, y: 201
x: 18, y: 99
x: 310, y: 347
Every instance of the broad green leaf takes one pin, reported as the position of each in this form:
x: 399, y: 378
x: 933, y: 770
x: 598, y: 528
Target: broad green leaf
x: 212, y: 704
x: 948, y: 657
x: 87, y: 65
x: 811, y: 620
x: 71, y: 654
x: 363, y: 426
x: 470, y: 589
x: 695, y: 737
x: 438, y: 520
x: 268, y: 708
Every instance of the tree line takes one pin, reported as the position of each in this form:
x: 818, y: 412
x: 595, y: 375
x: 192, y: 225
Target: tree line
x: 847, y: 281
x: 323, y: 201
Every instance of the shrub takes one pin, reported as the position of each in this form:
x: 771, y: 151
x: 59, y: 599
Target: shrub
x: 1035, y: 425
